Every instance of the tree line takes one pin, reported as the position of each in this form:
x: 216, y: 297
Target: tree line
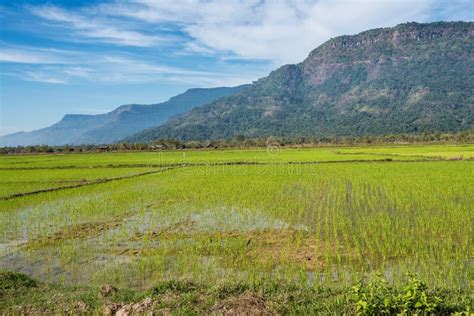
x: 240, y: 141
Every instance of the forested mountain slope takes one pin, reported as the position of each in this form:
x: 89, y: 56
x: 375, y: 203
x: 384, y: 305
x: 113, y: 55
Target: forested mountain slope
x: 409, y: 78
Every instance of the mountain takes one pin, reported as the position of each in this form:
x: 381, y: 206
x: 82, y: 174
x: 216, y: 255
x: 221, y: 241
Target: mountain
x: 110, y: 127
x: 409, y: 78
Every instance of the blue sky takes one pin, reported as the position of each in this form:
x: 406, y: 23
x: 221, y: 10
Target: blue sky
x: 60, y: 57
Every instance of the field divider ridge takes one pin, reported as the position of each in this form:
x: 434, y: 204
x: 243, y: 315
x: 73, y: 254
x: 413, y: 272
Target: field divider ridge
x: 192, y: 164
x: 97, y: 181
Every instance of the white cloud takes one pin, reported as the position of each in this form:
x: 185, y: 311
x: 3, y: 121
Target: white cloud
x: 123, y: 69
x: 78, y: 72
x: 45, y: 77
x: 62, y: 67
x: 23, y: 56
x: 276, y: 31
x: 15, y: 57
x: 92, y: 27
x: 56, y: 74
x: 281, y: 31
x: 18, y: 54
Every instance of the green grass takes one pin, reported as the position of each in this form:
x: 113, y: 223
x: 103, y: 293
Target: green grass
x: 431, y: 151
x: 306, y: 226
x: 22, y: 181
x: 111, y: 159
x: 21, y: 294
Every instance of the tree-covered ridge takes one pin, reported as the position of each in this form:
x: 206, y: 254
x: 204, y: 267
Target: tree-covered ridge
x: 407, y: 79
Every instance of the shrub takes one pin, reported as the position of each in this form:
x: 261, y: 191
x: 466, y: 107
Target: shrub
x: 379, y: 298
x: 12, y: 280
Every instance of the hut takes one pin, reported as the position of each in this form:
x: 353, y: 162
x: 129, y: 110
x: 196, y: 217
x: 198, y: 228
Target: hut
x: 156, y: 147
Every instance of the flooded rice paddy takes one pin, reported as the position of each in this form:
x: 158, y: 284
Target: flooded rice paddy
x: 313, y: 219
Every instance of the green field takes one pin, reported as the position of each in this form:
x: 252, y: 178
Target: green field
x: 212, y: 225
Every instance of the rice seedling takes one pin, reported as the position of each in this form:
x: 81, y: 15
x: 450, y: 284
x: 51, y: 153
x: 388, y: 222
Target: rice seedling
x: 308, y: 224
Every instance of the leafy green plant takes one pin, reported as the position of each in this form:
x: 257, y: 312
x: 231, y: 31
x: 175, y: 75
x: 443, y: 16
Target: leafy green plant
x: 377, y: 297
x: 12, y: 280
x: 415, y: 297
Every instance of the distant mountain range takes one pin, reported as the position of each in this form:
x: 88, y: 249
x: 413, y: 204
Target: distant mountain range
x: 406, y: 79
x: 122, y: 122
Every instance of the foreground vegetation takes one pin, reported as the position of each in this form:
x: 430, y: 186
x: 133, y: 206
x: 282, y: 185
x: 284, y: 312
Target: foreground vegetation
x: 281, y: 230
x: 21, y: 294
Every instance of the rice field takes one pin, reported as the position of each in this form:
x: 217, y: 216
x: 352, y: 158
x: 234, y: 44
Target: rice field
x: 312, y: 217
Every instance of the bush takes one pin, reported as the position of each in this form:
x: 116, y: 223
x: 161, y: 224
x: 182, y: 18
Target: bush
x: 12, y: 280
x: 378, y: 298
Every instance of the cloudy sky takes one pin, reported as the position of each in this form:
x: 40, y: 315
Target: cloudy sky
x: 69, y: 56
